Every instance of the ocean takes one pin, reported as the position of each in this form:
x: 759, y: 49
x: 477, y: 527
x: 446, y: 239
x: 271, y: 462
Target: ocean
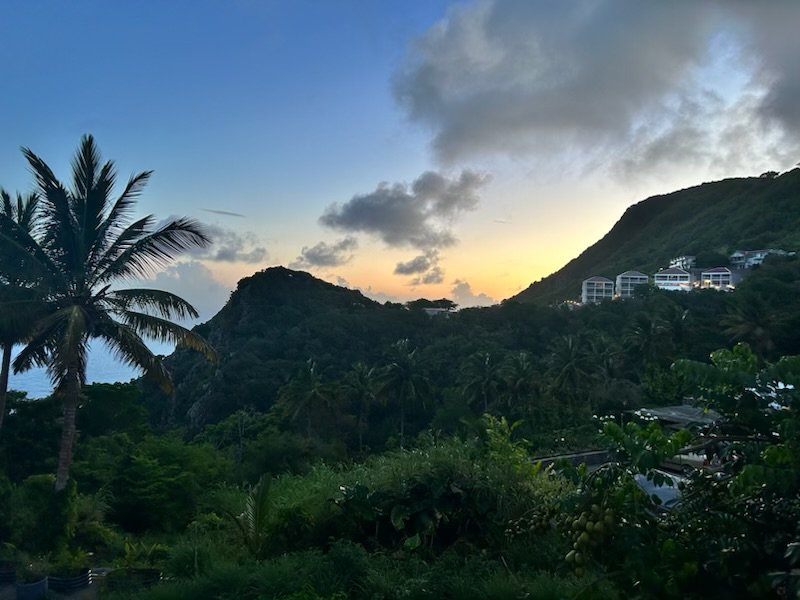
x: 102, y: 368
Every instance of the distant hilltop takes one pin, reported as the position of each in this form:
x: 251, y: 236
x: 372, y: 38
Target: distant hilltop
x: 711, y: 222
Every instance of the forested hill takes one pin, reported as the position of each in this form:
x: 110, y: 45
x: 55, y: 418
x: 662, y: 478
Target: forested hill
x: 273, y: 322
x: 709, y: 221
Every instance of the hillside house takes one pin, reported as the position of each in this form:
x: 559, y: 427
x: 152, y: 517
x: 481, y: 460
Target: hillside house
x: 747, y: 259
x: 596, y: 289
x: 627, y: 281
x: 718, y: 278
x: 674, y: 279
x: 683, y: 262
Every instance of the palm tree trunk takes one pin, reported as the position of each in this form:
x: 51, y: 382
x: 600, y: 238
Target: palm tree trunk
x: 402, y: 425
x: 4, y: 371
x: 71, y: 391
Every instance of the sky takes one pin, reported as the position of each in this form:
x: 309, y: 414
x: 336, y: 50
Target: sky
x: 407, y: 148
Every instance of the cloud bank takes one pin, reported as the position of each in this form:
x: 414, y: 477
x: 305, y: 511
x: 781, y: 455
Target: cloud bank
x: 326, y: 255
x: 464, y: 296
x: 419, y: 216
x: 619, y: 83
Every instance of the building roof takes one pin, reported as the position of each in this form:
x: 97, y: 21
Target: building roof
x: 682, y: 414
x: 633, y: 274
x: 717, y: 270
x: 672, y: 271
x: 598, y: 279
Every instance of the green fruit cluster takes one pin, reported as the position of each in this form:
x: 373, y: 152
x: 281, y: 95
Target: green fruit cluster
x: 588, y: 530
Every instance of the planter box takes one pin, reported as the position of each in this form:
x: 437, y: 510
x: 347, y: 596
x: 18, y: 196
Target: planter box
x: 67, y: 585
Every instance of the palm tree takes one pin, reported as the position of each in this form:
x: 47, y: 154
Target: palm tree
x: 571, y: 370
x: 402, y: 381
x: 360, y: 385
x: 482, y: 379
x: 88, y: 243
x: 751, y: 319
x: 304, y: 394
x: 519, y: 378
x: 15, y: 321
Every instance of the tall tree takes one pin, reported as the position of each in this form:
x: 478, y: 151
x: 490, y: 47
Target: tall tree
x: 20, y: 305
x: 304, y: 394
x: 482, y: 379
x: 402, y: 381
x: 360, y: 384
x: 88, y: 244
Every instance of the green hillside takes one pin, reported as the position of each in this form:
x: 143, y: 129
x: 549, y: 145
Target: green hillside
x: 709, y: 220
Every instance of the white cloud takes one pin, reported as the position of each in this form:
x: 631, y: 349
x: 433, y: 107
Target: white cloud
x: 466, y: 298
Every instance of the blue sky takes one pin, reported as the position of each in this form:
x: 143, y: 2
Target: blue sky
x: 508, y: 134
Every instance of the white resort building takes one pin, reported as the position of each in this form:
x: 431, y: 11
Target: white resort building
x: 718, y: 278
x: 673, y: 279
x: 747, y: 259
x: 596, y: 289
x: 627, y: 281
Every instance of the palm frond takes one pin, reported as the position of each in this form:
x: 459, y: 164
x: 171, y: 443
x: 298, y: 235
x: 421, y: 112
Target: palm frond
x: 163, y: 303
x: 84, y: 166
x: 123, y: 242
x: 22, y: 258
x: 116, y: 222
x: 58, y: 217
x: 129, y: 348
x: 156, y: 250
x: 163, y: 330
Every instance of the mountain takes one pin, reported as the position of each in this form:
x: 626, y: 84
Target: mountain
x: 273, y: 322
x: 709, y: 221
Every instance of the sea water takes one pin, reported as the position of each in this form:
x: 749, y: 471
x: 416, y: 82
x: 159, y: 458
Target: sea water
x: 102, y: 367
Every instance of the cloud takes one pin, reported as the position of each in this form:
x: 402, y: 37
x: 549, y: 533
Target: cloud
x: 610, y: 80
x: 466, y: 298
x: 223, y: 212
x: 192, y: 281
x: 418, y: 264
x: 230, y: 246
x: 326, y: 255
x: 418, y: 216
x: 431, y: 277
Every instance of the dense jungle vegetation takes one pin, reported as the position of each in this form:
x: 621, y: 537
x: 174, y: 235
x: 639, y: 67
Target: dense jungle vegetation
x: 332, y: 447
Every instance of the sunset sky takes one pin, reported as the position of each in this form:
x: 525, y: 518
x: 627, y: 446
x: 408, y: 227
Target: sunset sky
x: 406, y: 148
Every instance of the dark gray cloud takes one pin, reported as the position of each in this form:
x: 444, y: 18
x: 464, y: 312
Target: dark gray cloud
x: 617, y: 80
x: 432, y: 276
x: 425, y: 267
x: 418, y: 216
x: 326, y: 255
x: 418, y: 264
x: 466, y: 298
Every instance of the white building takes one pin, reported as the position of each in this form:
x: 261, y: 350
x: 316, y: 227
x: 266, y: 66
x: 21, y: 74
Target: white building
x: 683, y: 262
x: 596, y: 289
x: 719, y: 278
x: 673, y: 279
x: 627, y: 281
x: 747, y: 259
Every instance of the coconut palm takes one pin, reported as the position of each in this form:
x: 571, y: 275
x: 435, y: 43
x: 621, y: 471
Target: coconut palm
x: 15, y: 320
x: 305, y: 394
x: 519, y: 378
x: 401, y: 380
x: 359, y: 386
x: 482, y: 378
x: 87, y: 244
